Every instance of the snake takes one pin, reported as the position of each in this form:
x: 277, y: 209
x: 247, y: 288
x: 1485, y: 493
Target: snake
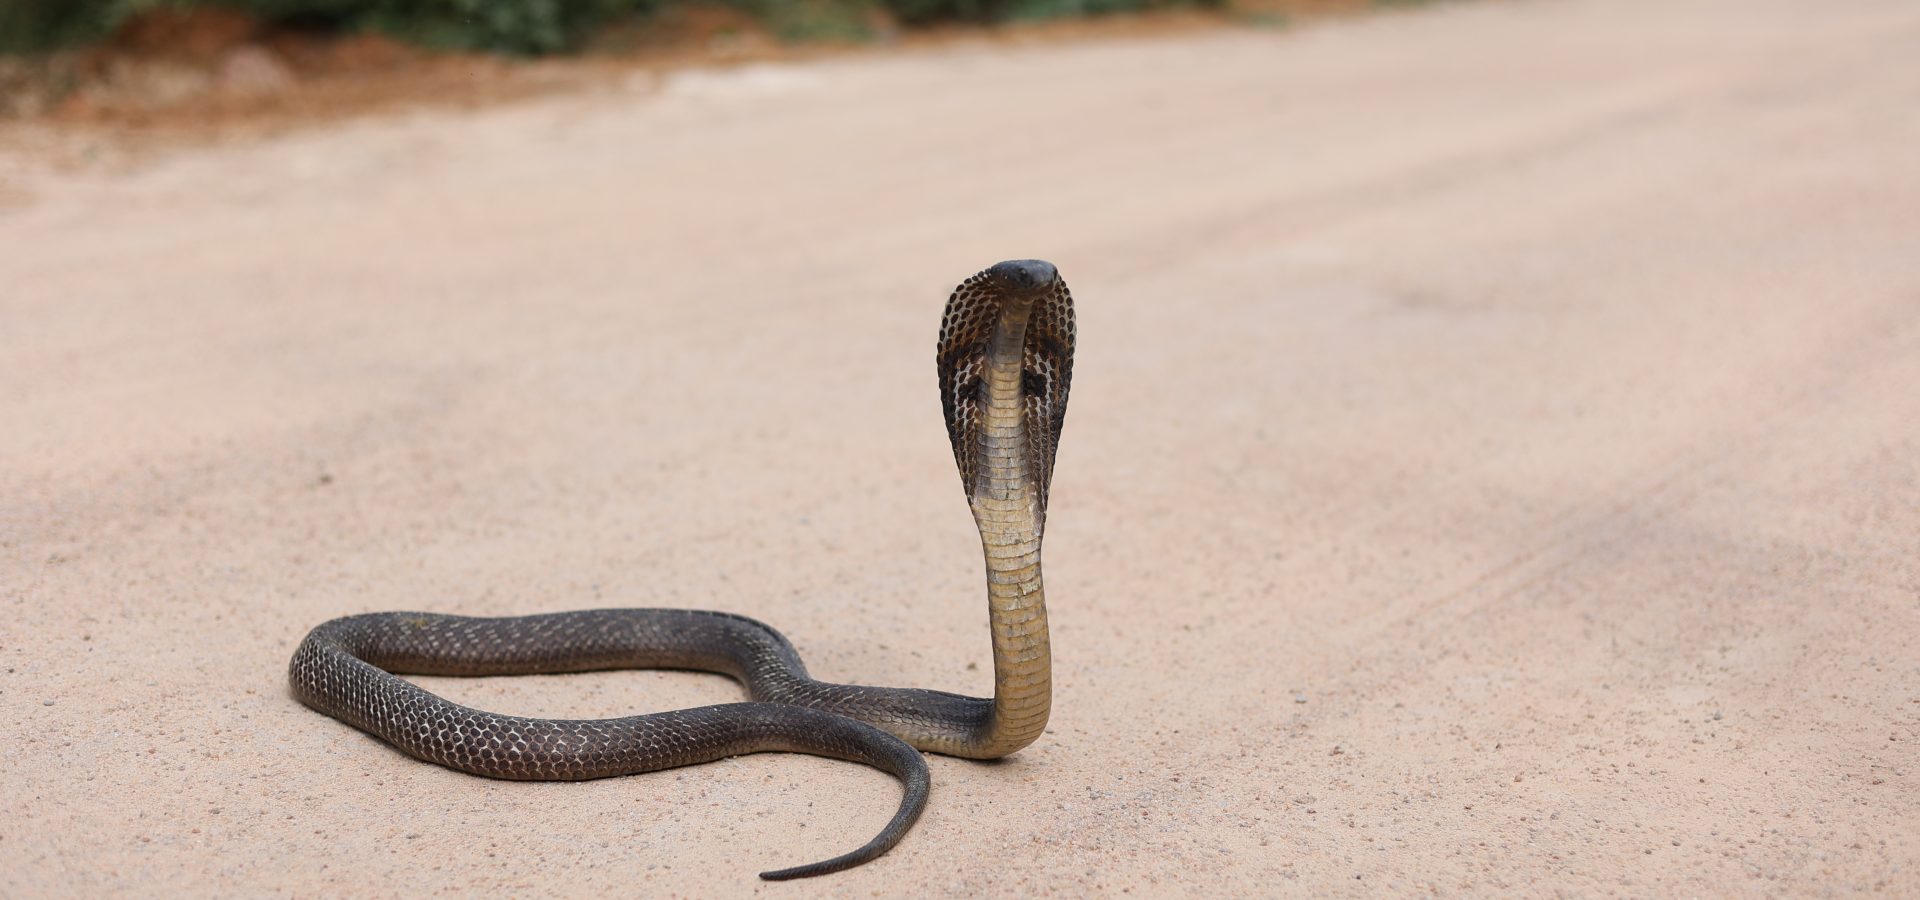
x: 1004, y: 360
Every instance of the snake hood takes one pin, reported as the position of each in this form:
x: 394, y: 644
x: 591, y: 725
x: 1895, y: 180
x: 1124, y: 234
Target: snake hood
x: 1016, y: 318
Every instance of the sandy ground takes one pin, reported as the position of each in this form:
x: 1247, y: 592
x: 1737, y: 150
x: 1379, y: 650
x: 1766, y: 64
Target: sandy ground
x: 1493, y: 468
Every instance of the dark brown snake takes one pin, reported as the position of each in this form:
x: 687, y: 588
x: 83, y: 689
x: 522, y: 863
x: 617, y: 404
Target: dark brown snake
x: 1005, y: 362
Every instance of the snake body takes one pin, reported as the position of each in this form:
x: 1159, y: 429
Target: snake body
x: 1004, y: 360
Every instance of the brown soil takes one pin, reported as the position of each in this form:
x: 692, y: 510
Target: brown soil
x: 172, y: 78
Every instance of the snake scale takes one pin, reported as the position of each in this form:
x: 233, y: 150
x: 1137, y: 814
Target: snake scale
x: 1005, y: 361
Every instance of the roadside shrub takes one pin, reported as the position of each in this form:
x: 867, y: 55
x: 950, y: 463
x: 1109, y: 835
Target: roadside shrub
x: 812, y: 20
x: 922, y: 12
x: 526, y: 27
x: 37, y: 26
x: 506, y: 26
x: 502, y: 26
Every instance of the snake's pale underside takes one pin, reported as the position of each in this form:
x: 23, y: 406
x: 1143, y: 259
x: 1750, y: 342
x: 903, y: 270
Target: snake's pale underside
x: 1005, y: 361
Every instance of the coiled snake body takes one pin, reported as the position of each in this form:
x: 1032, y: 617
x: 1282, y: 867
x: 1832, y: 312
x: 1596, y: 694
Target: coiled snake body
x: 1005, y: 363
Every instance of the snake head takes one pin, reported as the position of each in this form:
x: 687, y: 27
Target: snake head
x: 1023, y: 279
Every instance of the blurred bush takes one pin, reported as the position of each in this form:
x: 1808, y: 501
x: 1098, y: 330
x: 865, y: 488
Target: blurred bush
x: 506, y: 26
x: 34, y: 26
x: 919, y: 12
x: 524, y: 26
x: 812, y: 20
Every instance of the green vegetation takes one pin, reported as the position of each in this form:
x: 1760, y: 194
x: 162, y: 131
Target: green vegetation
x: 526, y: 27
x: 33, y: 25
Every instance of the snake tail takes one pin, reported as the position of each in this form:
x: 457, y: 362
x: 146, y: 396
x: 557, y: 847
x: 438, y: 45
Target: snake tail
x: 345, y: 669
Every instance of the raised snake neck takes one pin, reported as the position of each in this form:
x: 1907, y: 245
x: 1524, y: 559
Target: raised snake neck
x: 1005, y: 364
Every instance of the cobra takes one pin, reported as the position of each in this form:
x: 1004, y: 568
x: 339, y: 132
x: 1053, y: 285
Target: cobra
x: 1005, y: 359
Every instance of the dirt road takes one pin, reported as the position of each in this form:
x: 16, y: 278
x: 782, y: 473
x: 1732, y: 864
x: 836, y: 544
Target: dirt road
x: 1494, y: 464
